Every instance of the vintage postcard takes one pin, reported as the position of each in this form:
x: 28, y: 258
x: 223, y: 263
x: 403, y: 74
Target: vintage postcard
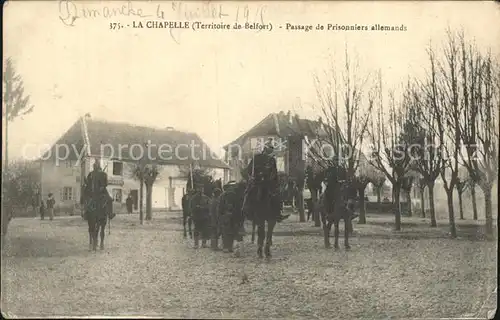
x: 250, y: 159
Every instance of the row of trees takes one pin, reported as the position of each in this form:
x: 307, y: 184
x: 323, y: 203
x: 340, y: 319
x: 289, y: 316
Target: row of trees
x: 429, y: 129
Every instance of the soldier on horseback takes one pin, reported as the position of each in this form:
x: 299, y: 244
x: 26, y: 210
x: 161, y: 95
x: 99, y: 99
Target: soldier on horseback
x: 97, y: 204
x: 263, y: 174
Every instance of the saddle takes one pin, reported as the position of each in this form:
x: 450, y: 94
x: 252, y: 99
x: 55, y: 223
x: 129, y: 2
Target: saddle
x: 104, y: 202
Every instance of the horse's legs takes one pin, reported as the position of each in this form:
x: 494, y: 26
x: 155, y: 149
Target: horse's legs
x: 347, y: 230
x: 254, y: 225
x: 184, y: 220
x: 269, y: 237
x: 327, y: 226
x: 91, y: 233
x: 102, y: 227
x: 94, y: 235
x: 190, y: 223
x: 261, y: 233
x: 336, y: 223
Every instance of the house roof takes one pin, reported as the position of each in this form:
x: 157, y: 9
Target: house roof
x: 282, y: 125
x: 127, y: 142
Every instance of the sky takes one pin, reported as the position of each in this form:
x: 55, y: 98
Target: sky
x: 217, y: 83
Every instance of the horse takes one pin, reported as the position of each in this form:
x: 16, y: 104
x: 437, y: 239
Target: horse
x: 97, y: 209
x: 230, y: 217
x: 208, y: 190
x: 334, y: 205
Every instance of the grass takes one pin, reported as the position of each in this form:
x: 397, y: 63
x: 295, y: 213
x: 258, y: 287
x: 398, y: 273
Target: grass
x: 151, y: 270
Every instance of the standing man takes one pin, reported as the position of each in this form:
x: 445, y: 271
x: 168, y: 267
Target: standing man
x: 42, y: 210
x: 50, y: 206
x: 214, y: 217
x: 200, y: 211
x: 129, y: 203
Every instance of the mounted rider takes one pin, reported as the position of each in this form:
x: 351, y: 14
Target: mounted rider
x: 199, y: 205
x: 263, y: 174
x: 95, y: 189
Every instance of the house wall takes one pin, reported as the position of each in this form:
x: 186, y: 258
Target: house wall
x: 168, y: 188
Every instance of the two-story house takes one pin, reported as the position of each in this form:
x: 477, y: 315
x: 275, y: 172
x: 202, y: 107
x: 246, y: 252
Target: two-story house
x: 120, y: 148
x: 290, y: 134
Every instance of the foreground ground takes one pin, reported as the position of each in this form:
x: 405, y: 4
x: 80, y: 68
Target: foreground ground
x: 152, y: 270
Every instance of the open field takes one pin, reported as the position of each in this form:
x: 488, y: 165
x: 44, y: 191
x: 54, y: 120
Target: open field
x: 152, y: 270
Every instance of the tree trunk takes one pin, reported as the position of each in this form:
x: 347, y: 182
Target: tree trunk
x: 451, y: 213
x: 362, y: 205
x: 397, y: 207
x: 474, y: 202
x: 316, y: 214
x: 149, y: 201
x: 379, y: 199
x: 408, y: 199
x: 430, y: 187
x: 141, y: 201
x: 300, y: 204
x: 460, y: 203
x: 422, y: 201
x: 488, y: 211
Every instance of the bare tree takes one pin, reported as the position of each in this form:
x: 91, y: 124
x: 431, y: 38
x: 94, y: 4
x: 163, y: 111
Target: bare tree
x: 407, y: 185
x: 424, y: 124
x: 378, y: 183
x: 420, y: 183
x: 389, y: 145
x: 472, y: 191
x: 461, y: 186
x: 444, y: 96
x: 15, y: 104
x: 365, y: 174
x: 479, y: 121
x: 346, y: 110
x: 146, y: 173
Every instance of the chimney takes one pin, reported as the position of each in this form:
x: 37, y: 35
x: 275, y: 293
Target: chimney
x: 169, y: 128
x: 88, y: 116
x: 290, y: 118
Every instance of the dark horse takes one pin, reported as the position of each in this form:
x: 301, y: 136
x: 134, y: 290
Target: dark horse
x: 229, y: 216
x: 98, y: 208
x: 209, y: 187
x: 263, y: 206
x: 335, y: 205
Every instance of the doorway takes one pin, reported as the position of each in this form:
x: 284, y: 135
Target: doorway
x: 135, y: 197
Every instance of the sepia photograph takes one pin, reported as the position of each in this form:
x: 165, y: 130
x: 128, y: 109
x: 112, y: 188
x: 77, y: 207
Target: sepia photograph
x: 250, y: 159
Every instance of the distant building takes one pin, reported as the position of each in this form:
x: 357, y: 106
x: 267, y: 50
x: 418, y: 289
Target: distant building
x: 289, y: 133
x: 118, y: 147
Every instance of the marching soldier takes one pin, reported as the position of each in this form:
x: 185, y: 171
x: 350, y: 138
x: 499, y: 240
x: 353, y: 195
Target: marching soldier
x: 214, y: 216
x: 200, y: 213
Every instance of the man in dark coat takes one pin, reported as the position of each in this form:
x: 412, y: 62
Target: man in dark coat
x: 96, y: 184
x: 214, y: 217
x: 129, y: 202
x: 263, y: 173
x: 199, y: 205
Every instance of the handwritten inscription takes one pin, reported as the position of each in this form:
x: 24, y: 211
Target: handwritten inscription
x: 70, y: 11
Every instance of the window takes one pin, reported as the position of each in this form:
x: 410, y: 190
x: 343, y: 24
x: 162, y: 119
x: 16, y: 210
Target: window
x: 259, y: 142
x: 117, y: 195
x: 280, y: 164
x: 117, y: 168
x: 67, y: 194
